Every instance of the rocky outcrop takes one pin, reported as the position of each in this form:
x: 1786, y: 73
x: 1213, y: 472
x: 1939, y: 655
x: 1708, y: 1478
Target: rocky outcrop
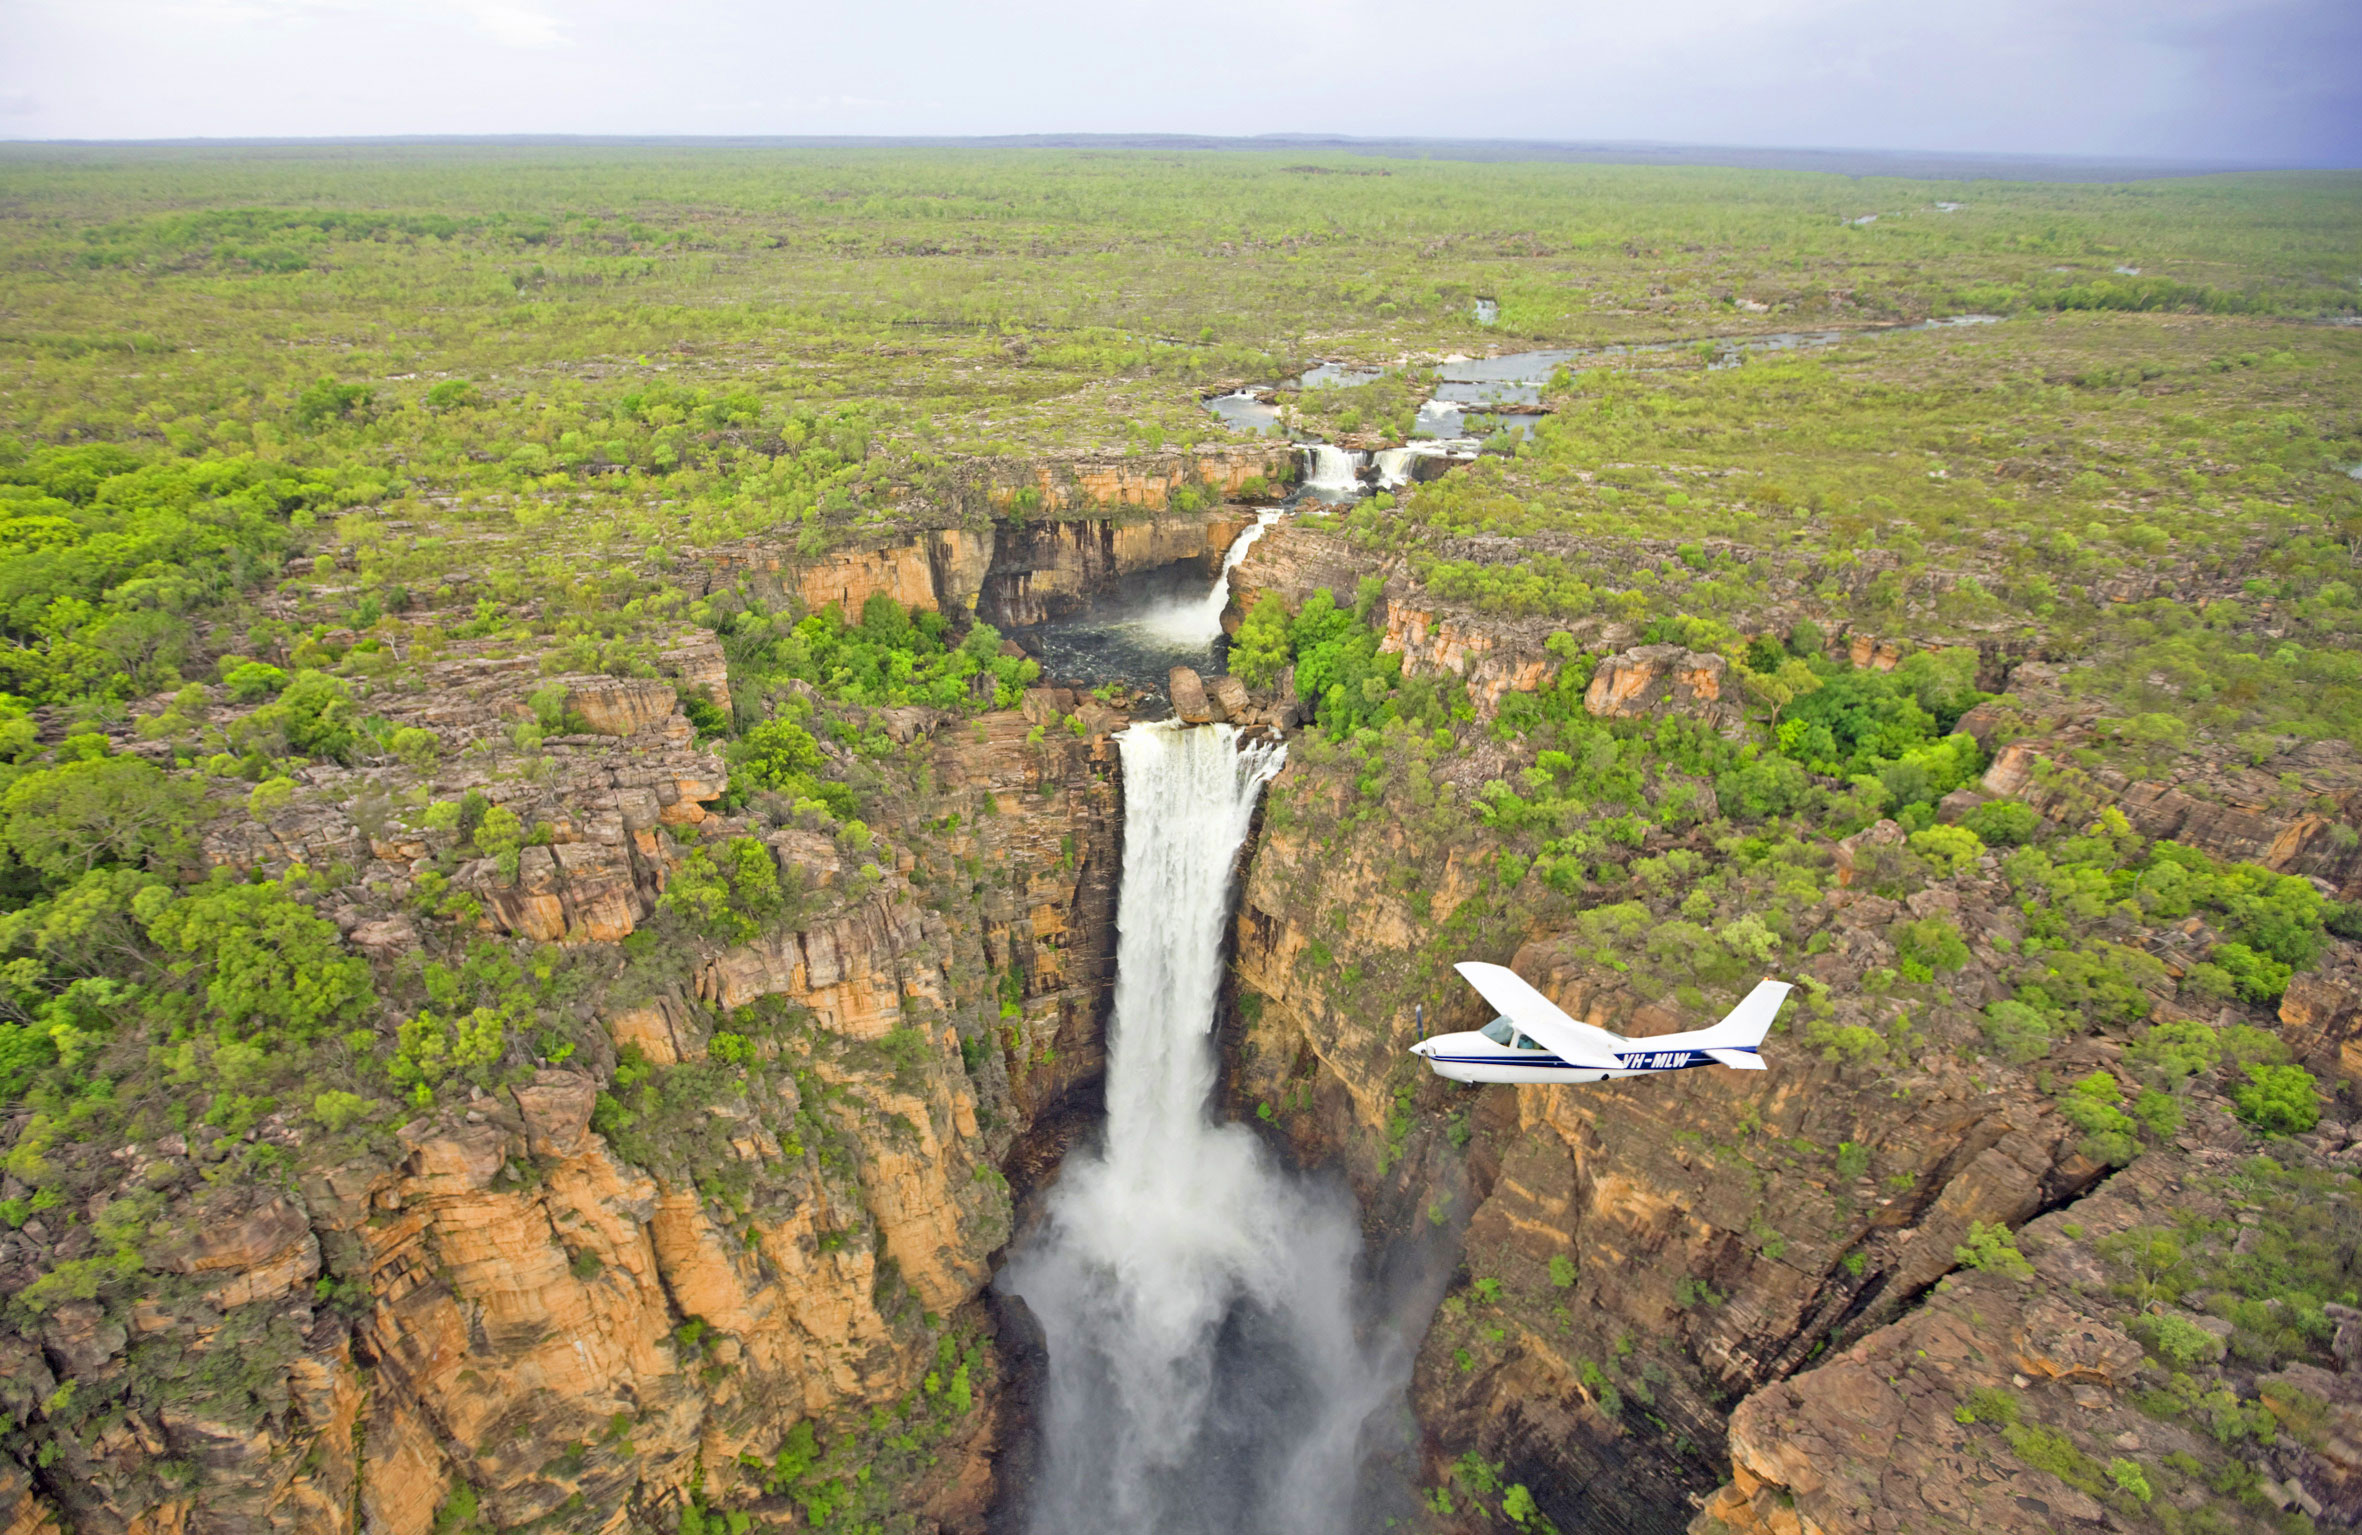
x: 1049, y: 570
x: 1666, y: 679
x: 619, y: 706
x: 578, y: 1324
x: 1024, y: 543
x: 2021, y: 1404
x: 1190, y: 704
x: 2244, y: 816
x: 1637, y: 1256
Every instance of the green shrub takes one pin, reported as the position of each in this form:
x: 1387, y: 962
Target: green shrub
x: 1988, y: 1404
x: 1994, y: 1250
x: 2181, y: 1343
x: 254, y: 682
x: 2108, y: 1134
x: 66, y: 820
x: 2168, y: 1054
x: 780, y: 756
x: 2015, y: 1031
x: 416, y: 748
x: 338, y: 1109
x: 1259, y: 651
x: 731, y: 893
x: 1926, y: 948
x: 2048, y: 1450
x: 2278, y: 1100
x: 266, y: 962
x: 328, y: 400
x: 1952, y: 850
x: 2004, y: 822
x: 2253, y: 977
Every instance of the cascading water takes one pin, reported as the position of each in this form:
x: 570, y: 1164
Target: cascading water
x: 1196, y: 1301
x: 1333, y: 472
x: 1199, y: 622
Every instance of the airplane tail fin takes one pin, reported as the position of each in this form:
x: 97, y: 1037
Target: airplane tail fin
x: 1744, y: 1026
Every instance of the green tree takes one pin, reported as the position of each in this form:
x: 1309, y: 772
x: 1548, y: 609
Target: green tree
x: 264, y: 959
x: 1259, y: 651
x: 328, y: 400
x: 2279, y: 1100
x: 65, y: 820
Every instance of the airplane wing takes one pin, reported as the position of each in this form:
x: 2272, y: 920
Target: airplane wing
x: 1577, y: 1043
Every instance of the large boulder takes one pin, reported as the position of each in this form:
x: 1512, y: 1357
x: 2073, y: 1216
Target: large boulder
x: 620, y: 706
x: 1190, y: 703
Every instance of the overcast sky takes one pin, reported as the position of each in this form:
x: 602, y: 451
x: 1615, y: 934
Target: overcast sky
x: 2276, y: 81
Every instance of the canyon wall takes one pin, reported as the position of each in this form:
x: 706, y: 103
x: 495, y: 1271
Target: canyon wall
x: 1643, y: 1257
x: 761, y: 1187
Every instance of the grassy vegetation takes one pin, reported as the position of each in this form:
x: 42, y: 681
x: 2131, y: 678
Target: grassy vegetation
x: 290, y: 438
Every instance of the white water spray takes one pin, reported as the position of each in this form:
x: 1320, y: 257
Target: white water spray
x: 1199, y: 620
x: 1196, y: 1301
x: 1332, y: 472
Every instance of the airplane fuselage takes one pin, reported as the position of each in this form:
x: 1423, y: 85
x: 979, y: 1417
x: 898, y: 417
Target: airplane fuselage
x: 1478, y: 1057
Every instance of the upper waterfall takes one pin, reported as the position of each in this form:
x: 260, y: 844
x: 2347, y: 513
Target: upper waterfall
x: 1332, y: 472
x: 1197, y: 1302
x: 1199, y: 622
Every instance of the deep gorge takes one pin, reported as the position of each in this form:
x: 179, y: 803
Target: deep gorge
x: 765, y: 868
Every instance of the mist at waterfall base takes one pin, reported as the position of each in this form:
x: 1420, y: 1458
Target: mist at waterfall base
x: 1198, y: 1303
x: 1152, y: 622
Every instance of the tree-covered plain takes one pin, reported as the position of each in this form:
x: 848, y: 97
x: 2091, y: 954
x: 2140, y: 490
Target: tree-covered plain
x: 283, y: 430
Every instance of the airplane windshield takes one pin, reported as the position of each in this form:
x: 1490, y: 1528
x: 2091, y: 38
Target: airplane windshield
x: 1501, y: 1032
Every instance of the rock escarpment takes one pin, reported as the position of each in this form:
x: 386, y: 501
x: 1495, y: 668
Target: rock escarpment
x: 760, y: 1188
x: 1025, y: 547
x: 1641, y: 1257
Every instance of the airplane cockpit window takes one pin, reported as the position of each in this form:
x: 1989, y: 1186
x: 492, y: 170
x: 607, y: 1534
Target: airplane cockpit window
x: 1502, y: 1032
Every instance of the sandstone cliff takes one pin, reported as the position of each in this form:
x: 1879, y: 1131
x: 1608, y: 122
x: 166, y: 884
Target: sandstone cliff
x: 781, y: 1216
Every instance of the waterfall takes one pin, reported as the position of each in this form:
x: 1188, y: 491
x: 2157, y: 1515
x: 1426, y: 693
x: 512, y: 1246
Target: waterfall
x: 1197, y: 1301
x: 1331, y: 473
x: 1199, y: 620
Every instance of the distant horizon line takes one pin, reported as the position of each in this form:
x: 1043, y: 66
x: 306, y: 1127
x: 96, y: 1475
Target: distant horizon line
x: 1908, y: 164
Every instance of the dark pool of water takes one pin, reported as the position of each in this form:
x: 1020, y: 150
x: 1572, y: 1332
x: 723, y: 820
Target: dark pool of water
x: 1136, y: 633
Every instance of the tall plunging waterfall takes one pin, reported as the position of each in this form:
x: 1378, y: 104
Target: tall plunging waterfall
x: 1197, y: 1301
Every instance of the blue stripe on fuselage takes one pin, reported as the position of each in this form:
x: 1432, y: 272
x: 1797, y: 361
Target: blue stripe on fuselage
x: 1638, y: 1060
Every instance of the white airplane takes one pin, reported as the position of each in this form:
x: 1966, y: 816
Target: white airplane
x: 1535, y: 1042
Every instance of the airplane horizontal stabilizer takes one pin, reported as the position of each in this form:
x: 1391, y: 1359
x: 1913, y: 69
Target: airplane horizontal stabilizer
x: 1738, y: 1060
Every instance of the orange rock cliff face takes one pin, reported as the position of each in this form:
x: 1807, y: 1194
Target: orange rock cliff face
x: 499, y: 1304
x: 1678, y: 1304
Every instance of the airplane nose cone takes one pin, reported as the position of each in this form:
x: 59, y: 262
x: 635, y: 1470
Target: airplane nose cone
x: 1421, y: 1048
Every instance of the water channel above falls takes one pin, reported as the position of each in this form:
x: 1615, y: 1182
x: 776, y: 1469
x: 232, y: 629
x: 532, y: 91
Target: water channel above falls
x: 1504, y: 393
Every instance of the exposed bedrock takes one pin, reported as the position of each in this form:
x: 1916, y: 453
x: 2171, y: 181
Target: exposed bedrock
x: 501, y: 1298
